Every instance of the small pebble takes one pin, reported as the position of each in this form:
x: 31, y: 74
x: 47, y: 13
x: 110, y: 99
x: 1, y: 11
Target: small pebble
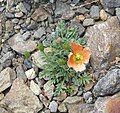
x: 80, y: 18
x: 88, y: 97
x: 94, y: 12
x: 88, y: 22
x: 30, y: 73
x: 18, y: 15
x: 35, y: 88
x: 103, y: 15
x: 53, y: 106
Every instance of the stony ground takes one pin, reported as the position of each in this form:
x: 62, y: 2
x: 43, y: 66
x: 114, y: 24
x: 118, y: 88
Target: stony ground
x: 24, y: 23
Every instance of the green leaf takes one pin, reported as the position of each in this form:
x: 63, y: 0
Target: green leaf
x: 82, y: 41
x: 26, y: 54
x: 85, y: 79
x: 40, y: 47
x: 58, y: 89
x: 69, y: 89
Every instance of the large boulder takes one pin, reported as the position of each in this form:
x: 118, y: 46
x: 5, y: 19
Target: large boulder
x: 109, y: 84
x: 104, y: 41
x: 110, y: 104
x: 20, y: 99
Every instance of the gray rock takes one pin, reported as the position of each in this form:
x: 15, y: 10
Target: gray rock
x: 109, y: 84
x: 6, y: 78
x: 44, y: 100
x: 52, y: 1
x: 85, y: 108
x: 19, y: 15
x: 88, y: 97
x: 39, y: 81
x: 7, y: 63
x: 49, y: 89
x: 62, y: 96
x: 36, y: 1
x: 9, y: 15
x: 35, y: 88
x: 80, y: 108
x: 95, y: 12
x: 110, y: 3
x: 88, y: 22
x: 0, y: 28
x: 17, y: 61
x: 75, y: 2
x: 40, y: 14
x: 6, y: 48
x: 79, y: 27
x: 100, y: 105
x: 17, y: 27
x: 2, y: 9
x: 73, y: 100
x: 72, y: 104
x: 22, y: 8
x: 109, y: 104
x: 9, y: 26
x: 26, y: 35
x: 28, y: 20
x: 21, y: 99
x: 39, y: 33
x: 27, y: 64
x: 15, y: 20
x: 1, y: 68
x: 32, y: 26
x: 118, y: 13
x: 53, y: 106
x: 30, y: 73
x: 62, y: 108
x: 104, y: 42
x: 3, y: 110
x: 21, y: 73
x: 62, y: 9
x: 19, y: 45
x: 80, y: 92
x: 110, y: 11
x: 46, y: 111
x: 7, y: 56
x: 27, y: 6
x: 38, y: 59
x: 82, y: 10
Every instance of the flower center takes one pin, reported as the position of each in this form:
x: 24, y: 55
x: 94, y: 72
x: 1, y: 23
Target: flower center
x: 78, y: 57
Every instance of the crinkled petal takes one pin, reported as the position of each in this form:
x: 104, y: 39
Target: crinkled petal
x: 71, y: 62
x: 76, y: 48
x: 86, y: 55
x: 78, y: 67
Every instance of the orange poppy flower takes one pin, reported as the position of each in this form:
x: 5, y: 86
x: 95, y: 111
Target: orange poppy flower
x: 79, y: 57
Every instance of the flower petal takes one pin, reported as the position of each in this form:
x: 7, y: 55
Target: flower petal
x: 76, y: 48
x: 71, y: 60
x: 79, y: 67
x: 86, y: 55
